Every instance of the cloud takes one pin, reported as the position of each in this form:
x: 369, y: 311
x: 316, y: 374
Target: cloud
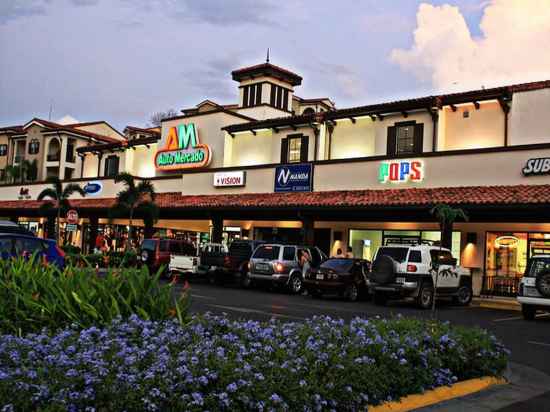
x: 512, y: 47
x: 13, y: 9
x: 348, y: 82
x: 85, y: 2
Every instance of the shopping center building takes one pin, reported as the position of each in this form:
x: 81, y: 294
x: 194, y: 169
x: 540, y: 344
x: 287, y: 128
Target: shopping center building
x: 275, y: 166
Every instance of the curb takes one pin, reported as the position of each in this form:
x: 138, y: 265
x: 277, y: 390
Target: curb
x: 437, y: 395
x: 498, y: 304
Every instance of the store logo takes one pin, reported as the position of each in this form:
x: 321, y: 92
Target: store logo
x: 24, y: 194
x: 293, y: 178
x: 227, y: 179
x: 183, y: 150
x: 401, y: 171
x: 93, y: 188
x: 534, y: 167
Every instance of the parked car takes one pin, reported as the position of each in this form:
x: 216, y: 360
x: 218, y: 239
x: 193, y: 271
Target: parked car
x: 534, y: 287
x: 235, y: 265
x: 155, y: 253
x: 345, y: 277
x: 278, y: 264
x: 410, y: 271
x: 7, y: 226
x: 191, y: 261
x: 23, y: 245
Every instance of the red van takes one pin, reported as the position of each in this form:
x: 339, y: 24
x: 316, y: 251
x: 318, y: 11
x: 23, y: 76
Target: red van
x: 155, y: 253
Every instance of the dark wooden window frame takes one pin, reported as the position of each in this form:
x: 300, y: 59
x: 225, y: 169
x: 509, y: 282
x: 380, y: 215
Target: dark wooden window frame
x: 304, y: 148
x: 418, y: 138
x: 34, y: 147
x: 3, y: 150
x: 108, y: 160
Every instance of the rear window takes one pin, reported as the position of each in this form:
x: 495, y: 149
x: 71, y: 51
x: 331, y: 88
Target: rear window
x: 399, y: 254
x: 441, y: 255
x: 267, y: 252
x: 24, y: 245
x: 187, y: 249
x: 415, y: 256
x: 338, y: 265
x: 149, y: 244
x: 289, y: 253
x: 240, y: 247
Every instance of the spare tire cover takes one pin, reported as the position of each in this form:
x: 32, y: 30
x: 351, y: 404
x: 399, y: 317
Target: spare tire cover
x: 383, y: 270
x: 543, y: 283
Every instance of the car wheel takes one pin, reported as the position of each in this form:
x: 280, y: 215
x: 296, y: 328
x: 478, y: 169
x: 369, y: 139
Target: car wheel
x: 380, y: 298
x: 528, y: 312
x: 463, y: 296
x: 246, y: 281
x: 425, y: 296
x: 352, y: 293
x: 295, y: 283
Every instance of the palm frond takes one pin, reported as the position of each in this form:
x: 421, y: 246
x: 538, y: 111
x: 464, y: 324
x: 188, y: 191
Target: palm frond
x: 47, y: 208
x: 47, y: 193
x: 127, y: 179
x: 56, y: 182
x: 72, y: 188
x: 145, y: 187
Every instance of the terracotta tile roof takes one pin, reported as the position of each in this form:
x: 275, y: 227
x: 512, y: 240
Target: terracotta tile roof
x: 414, y: 197
x: 51, y: 126
x: 269, y: 70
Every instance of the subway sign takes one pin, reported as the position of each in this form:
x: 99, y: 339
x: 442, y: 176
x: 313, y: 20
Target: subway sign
x: 183, y: 150
x: 536, y: 167
x: 399, y: 171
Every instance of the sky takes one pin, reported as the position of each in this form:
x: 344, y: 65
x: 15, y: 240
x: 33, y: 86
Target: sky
x: 122, y: 60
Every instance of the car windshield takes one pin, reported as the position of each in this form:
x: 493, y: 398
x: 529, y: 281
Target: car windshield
x: 537, y: 266
x: 338, y: 265
x: 148, y: 244
x: 267, y: 252
x: 397, y: 253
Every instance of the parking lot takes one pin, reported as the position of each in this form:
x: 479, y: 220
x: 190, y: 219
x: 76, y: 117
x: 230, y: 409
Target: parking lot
x: 528, y: 341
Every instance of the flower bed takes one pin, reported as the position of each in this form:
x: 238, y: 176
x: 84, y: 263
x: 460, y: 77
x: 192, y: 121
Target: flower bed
x: 213, y: 363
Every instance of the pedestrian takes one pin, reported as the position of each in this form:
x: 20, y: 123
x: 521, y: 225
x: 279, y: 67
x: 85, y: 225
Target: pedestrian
x: 339, y: 254
x: 349, y: 253
x: 304, y: 262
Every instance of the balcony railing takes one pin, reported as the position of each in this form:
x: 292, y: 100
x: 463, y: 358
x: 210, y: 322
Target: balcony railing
x: 53, y: 157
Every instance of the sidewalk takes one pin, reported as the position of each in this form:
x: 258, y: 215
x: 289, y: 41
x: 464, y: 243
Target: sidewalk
x: 497, y: 302
x: 526, y: 389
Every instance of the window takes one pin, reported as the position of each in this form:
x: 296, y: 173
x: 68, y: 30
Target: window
x: 3, y: 149
x: 396, y: 253
x: 68, y: 173
x: 34, y: 146
x: 308, y: 110
x: 54, y: 151
x: 294, y: 149
x: 316, y: 257
x: 267, y: 252
x: 288, y: 253
x: 405, y: 138
x: 279, y: 97
x: 415, y: 256
x: 111, y: 166
x: 252, y: 95
x: 28, y: 246
x: 69, y: 157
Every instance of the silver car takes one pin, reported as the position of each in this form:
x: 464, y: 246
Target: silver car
x: 279, y: 264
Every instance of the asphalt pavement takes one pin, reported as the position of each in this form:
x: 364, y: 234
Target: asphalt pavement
x: 529, y: 342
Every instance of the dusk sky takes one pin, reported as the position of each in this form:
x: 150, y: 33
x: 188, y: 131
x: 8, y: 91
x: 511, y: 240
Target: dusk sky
x: 121, y: 60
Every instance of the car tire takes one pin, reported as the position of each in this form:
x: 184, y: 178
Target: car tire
x: 352, y: 292
x: 246, y: 281
x: 463, y: 295
x: 295, y: 284
x: 380, y: 298
x: 528, y: 312
x: 425, y: 296
x: 542, y: 283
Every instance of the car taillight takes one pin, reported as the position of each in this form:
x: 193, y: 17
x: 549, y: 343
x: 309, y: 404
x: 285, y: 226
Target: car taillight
x: 411, y: 268
x: 60, y: 251
x: 279, y: 267
x: 226, y: 260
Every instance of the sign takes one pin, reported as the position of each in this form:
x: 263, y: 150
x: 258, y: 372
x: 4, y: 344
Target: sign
x: 69, y: 227
x: 72, y: 217
x: 228, y: 179
x: 24, y: 194
x: 183, y: 150
x: 537, y: 167
x: 399, y: 171
x: 294, y: 178
x: 93, y: 188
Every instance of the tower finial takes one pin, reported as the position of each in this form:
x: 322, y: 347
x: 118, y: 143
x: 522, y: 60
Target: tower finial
x: 267, y: 58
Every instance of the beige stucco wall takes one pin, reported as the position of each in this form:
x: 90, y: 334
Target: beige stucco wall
x: 102, y: 129
x: 483, y: 127
x: 530, y: 117
x: 353, y: 139
x: 140, y: 161
x: 90, y: 165
x: 262, y: 112
x: 4, y: 159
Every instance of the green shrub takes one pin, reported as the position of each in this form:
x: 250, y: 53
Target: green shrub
x: 35, y: 296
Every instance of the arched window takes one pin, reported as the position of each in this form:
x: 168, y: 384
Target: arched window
x: 309, y: 110
x: 54, y: 151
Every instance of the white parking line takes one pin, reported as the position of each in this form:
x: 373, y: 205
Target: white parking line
x: 202, y: 297
x: 532, y: 342
x: 507, y: 319
x: 261, y: 312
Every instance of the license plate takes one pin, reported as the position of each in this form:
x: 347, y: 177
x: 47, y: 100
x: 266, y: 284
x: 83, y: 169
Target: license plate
x: 320, y: 277
x: 262, y: 266
x: 400, y: 280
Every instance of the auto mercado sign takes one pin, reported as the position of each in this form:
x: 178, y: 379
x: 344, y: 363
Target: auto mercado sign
x: 294, y: 178
x: 183, y: 150
x: 399, y: 171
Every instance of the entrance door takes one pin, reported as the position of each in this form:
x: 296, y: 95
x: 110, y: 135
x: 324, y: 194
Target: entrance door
x: 321, y: 239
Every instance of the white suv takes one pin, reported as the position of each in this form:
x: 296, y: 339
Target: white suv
x: 410, y: 271
x: 534, y: 287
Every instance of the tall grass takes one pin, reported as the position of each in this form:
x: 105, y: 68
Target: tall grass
x: 34, y: 296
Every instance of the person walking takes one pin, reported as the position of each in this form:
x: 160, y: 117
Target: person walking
x: 349, y: 253
x: 339, y: 254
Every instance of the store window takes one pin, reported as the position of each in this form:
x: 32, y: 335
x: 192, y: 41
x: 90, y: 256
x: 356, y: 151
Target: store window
x: 111, y: 166
x: 34, y: 147
x: 405, y: 138
x: 3, y: 149
x: 505, y: 262
x: 294, y: 149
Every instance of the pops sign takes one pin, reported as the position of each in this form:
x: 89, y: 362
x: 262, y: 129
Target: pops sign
x: 401, y: 171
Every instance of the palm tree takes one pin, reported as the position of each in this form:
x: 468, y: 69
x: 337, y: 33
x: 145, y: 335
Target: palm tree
x: 446, y: 215
x: 29, y: 170
x: 135, y: 200
x: 13, y: 173
x: 60, y: 197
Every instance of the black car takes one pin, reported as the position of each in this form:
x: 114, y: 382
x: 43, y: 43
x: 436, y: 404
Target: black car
x: 235, y: 263
x: 342, y: 276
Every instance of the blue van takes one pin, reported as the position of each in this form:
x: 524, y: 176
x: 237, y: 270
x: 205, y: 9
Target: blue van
x: 22, y: 244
